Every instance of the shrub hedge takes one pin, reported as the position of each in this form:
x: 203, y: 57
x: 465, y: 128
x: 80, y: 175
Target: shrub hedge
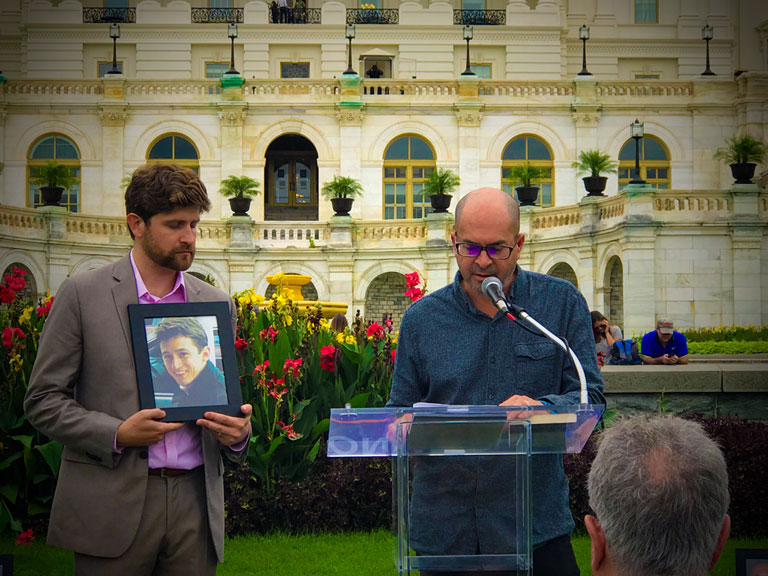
x: 343, y: 494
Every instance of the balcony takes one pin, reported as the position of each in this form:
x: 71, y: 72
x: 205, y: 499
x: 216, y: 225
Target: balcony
x: 109, y: 15
x: 372, y: 16
x: 217, y: 15
x: 480, y: 17
x: 299, y: 16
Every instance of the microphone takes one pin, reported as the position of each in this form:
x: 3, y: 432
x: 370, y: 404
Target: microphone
x: 492, y: 290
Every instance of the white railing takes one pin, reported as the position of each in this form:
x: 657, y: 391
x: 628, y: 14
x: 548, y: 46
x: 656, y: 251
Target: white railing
x: 285, y: 234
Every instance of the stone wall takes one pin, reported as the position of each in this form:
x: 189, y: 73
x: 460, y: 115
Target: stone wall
x: 385, y: 296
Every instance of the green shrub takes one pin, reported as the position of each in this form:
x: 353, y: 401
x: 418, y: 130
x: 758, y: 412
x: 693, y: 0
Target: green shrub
x: 726, y: 334
x: 728, y: 347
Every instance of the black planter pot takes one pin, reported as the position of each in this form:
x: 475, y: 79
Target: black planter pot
x: 594, y: 185
x: 239, y: 206
x: 743, y: 173
x: 527, y: 195
x: 51, y: 195
x: 440, y: 202
x: 342, y: 206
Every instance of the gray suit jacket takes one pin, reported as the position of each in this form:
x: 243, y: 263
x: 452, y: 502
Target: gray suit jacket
x: 82, y: 387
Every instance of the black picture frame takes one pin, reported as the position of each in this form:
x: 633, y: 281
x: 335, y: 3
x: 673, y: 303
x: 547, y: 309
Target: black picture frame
x: 180, y: 393
x: 747, y: 560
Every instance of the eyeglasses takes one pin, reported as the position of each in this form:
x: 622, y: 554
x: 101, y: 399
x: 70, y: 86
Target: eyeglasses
x: 473, y: 250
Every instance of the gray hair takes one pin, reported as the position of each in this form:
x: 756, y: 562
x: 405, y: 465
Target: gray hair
x: 659, y: 488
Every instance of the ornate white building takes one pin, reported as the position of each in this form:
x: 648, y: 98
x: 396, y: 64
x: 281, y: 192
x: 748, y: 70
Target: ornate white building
x: 691, y: 246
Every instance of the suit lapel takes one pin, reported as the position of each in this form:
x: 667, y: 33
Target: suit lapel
x: 123, y: 294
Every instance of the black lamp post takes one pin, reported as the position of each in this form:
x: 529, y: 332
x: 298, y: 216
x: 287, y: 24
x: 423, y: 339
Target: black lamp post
x: 468, y: 33
x: 584, y: 35
x: 707, y: 33
x: 232, y: 33
x: 637, y: 129
x: 114, y: 33
x: 350, y: 34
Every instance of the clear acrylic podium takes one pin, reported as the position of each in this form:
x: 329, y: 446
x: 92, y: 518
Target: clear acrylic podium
x: 438, y: 453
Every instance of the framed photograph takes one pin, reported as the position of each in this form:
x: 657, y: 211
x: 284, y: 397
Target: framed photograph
x: 751, y: 562
x: 185, y: 359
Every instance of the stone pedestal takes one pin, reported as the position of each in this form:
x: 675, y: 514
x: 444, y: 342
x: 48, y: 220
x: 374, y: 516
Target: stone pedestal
x: 439, y: 228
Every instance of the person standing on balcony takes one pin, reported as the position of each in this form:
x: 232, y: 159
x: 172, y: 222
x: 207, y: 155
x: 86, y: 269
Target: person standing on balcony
x: 274, y: 12
x: 283, y: 5
x: 456, y: 347
x: 135, y: 495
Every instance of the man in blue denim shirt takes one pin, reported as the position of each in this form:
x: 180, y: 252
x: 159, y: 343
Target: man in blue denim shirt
x: 455, y: 347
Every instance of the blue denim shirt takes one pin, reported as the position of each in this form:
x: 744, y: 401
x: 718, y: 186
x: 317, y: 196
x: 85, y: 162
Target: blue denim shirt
x: 449, y: 352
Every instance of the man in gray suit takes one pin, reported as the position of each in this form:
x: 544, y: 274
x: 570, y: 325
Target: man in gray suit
x: 135, y: 495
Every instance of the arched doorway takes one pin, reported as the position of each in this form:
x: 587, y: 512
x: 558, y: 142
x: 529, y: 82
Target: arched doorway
x: 291, y: 179
x: 386, y: 295
x: 614, y: 292
x: 564, y: 271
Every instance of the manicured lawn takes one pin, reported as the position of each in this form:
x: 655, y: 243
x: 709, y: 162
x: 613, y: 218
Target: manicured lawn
x: 312, y: 555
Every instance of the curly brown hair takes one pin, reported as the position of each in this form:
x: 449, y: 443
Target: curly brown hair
x: 163, y: 187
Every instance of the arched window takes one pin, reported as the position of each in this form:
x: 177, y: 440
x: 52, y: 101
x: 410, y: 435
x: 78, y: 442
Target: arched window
x: 60, y: 149
x: 654, y: 162
x: 176, y: 148
x: 408, y: 162
x: 564, y: 271
x: 528, y: 148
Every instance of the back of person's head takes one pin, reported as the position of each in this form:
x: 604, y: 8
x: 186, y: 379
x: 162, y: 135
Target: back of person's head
x: 339, y: 322
x: 162, y: 187
x: 188, y: 326
x: 659, y: 489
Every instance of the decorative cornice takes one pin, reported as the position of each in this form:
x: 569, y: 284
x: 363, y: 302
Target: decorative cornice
x: 468, y: 116
x: 112, y: 114
x: 350, y: 115
x: 233, y: 115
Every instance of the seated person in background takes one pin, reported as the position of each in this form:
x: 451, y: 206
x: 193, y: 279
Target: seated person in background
x: 665, y: 345
x: 605, y: 336
x: 185, y: 352
x: 659, y: 489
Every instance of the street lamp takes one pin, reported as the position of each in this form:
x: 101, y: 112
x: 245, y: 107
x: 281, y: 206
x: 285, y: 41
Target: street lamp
x: 350, y: 34
x: 114, y: 33
x: 637, y: 129
x: 232, y: 33
x: 584, y: 35
x: 468, y: 33
x: 707, y: 33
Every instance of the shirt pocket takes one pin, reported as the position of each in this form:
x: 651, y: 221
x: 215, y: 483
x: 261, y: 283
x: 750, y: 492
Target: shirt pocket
x: 537, y: 365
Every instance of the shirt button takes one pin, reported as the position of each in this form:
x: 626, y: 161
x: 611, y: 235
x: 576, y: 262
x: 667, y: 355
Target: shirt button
x: 490, y: 396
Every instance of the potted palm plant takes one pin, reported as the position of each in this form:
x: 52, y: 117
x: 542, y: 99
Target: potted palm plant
x: 240, y: 190
x: 594, y: 163
x: 55, y: 178
x: 743, y: 154
x: 438, y: 187
x: 525, y: 174
x: 342, y: 191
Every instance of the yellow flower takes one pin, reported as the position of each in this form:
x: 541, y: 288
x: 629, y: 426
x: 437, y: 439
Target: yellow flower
x: 324, y: 324
x: 340, y: 338
x: 288, y: 320
x: 16, y: 362
x: 26, y: 315
x: 349, y: 339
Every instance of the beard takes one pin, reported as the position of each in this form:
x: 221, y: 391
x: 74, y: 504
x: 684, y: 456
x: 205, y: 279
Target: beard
x: 179, y: 259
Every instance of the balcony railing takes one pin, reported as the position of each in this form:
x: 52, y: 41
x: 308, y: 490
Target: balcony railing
x: 480, y: 17
x: 109, y: 15
x: 372, y: 16
x: 217, y: 15
x: 298, y: 16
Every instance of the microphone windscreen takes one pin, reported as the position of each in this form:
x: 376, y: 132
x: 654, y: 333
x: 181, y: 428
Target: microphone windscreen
x: 488, y: 287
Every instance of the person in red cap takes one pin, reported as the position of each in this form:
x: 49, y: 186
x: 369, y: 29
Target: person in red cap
x: 665, y: 345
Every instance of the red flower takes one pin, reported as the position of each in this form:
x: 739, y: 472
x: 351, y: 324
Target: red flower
x: 289, y: 431
x: 25, y: 538
x: 9, y: 334
x: 261, y: 369
x: 392, y: 356
x: 327, y: 357
x: 412, y: 279
x: 292, y: 366
x: 45, y: 309
x: 19, y: 272
x: 17, y: 284
x: 374, y: 329
x: 270, y: 333
x: 241, y: 344
x: 414, y: 294
x: 6, y: 294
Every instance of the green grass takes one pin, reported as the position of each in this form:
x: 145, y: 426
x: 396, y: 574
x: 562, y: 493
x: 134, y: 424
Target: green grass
x: 314, y: 555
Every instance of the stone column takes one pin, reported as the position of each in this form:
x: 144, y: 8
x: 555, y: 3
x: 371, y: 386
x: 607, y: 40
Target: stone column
x: 231, y: 119
x: 747, y: 237
x: 350, y: 118
x: 241, y: 253
x: 113, y: 110
x: 57, y: 251
x: 639, y: 259
x: 341, y: 264
x: 469, y: 114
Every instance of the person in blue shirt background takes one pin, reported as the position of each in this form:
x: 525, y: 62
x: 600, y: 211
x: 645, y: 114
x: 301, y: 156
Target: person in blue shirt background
x: 665, y: 345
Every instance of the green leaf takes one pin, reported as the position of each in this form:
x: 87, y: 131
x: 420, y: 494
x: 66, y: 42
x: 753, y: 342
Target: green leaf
x: 51, y: 452
x: 9, y: 492
x: 360, y: 400
x: 10, y: 460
